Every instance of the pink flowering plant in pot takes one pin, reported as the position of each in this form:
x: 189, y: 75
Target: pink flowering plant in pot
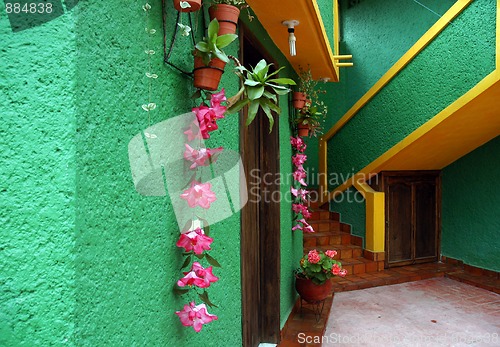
x: 319, y: 266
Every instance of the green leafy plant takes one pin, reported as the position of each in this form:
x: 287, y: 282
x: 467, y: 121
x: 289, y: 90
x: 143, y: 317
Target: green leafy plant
x: 211, y: 45
x: 315, y: 111
x: 259, y: 91
x: 319, y: 266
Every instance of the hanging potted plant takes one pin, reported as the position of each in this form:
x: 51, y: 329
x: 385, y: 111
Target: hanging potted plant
x: 309, y: 119
x: 227, y: 13
x: 187, y: 5
x: 209, y: 59
x: 312, y: 279
x: 259, y: 91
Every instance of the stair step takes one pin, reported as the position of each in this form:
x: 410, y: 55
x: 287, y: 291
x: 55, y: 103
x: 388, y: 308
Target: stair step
x: 326, y: 225
x: 343, y: 251
x: 326, y: 238
x: 322, y: 215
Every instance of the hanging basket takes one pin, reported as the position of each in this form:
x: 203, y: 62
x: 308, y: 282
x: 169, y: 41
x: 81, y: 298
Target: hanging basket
x: 303, y: 130
x: 313, y: 293
x: 208, y: 77
x: 195, y: 5
x: 227, y: 15
x: 299, y: 100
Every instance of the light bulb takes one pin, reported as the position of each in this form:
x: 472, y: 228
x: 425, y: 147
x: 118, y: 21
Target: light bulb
x: 291, y: 35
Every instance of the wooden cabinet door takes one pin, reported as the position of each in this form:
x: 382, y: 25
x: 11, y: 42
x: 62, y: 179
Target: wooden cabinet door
x: 412, y: 217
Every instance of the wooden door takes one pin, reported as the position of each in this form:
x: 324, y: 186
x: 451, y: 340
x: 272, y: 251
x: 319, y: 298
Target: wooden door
x: 412, y: 217
x: 260, y: 221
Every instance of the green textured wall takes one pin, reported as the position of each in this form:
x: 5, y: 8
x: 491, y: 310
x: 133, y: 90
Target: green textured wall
x: 37, y: 180
x: 351, y: 207
x: 425, y: 87
x: 86, y: 260
x: 126, y: 258
x: 470, y: 208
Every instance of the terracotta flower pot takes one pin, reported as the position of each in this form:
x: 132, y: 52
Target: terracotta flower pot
x: 299, y: 100
x: 208, y: 77
x: 311, y: 292
x: 303, y: 130
x: 195, y: 5
x: 227, y: 15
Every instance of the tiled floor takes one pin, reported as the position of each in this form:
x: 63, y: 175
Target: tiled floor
x: 303, y: 324
x: 433, y: 312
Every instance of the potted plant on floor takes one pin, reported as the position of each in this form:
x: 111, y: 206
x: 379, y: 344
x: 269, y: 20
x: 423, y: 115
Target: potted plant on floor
x: 210, y: 59
x: 259, y: 90
x: 227, y: 13
x: 312, y: 279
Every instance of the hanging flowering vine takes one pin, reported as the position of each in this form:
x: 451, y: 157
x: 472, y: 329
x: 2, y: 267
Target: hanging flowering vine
x: 194, y: 239
x: 298, y: 191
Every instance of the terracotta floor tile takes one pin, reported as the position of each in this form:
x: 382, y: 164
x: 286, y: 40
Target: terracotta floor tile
x: 453, y: 293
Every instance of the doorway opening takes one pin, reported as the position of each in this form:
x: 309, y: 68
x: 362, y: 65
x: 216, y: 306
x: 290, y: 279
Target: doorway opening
x: 260, y: 218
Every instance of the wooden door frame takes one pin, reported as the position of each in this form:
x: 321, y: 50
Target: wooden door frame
x: 260, y: 252
x: 382, y: 185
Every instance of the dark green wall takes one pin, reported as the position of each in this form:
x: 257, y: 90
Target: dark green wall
x: 440, y: 74
x: 471, y: 208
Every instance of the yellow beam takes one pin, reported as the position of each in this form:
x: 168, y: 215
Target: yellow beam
x: 313, y: 46
x: 375, y: 217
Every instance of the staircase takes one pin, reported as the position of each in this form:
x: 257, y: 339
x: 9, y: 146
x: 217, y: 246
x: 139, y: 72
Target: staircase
x: 331, y: 233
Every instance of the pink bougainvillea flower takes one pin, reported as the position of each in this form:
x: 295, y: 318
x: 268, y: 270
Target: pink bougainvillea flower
x: 299, y: 176
x: 308, y: 229
x: 331, y: 253
x: 199, y: 194
x: 193, y: 132
x: 299, y: 159
x: 201, y: 157
x: 313, y: 257
x: 297, y: 208
x: 195, y: 316
x: 198, y: 276
x: 191, y: 279
x: 215, y: 102
x: 298, y: 143
x: 195, y: 241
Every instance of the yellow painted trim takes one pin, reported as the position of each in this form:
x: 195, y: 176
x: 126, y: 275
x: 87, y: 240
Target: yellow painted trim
x: 425, y: 40
x: 375, y: 166
x: 375, y: 217
x: 336, y: 30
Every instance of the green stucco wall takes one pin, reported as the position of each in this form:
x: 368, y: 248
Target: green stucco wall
x: 85, y: 260
x: 440, y: 74
x: 126, y: 258
x: 351, y: 206
x: 471, y: 208
x: 37, y: 180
